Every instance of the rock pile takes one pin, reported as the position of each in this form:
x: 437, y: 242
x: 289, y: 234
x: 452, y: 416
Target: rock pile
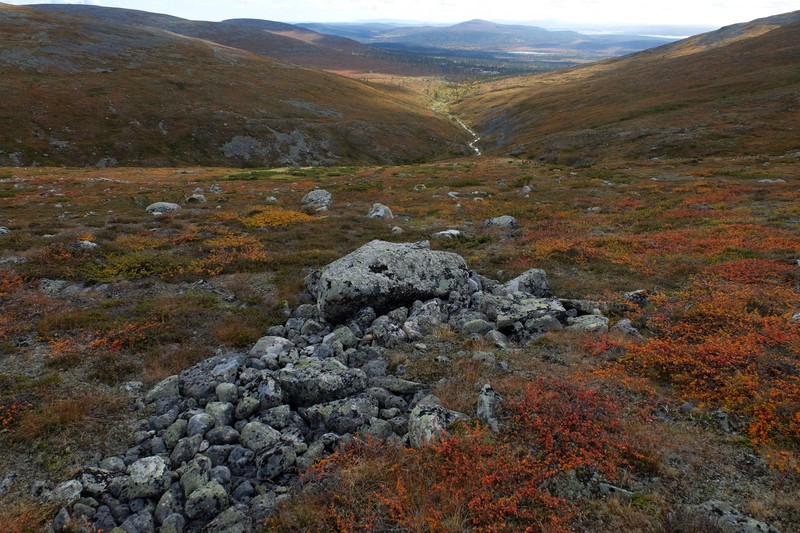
x: 227, y: 437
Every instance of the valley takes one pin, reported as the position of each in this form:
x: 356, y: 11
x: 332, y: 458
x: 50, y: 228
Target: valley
x: 601, y: 335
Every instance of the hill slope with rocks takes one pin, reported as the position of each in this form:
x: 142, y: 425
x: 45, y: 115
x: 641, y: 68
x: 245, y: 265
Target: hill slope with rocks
x: 81, y: 91
x: 728, y: 92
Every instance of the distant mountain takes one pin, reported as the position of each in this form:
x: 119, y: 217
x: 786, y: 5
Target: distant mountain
x: 82, y: 90
x: 273, y: 39
x: 485, y: 36
x: 732, y: 91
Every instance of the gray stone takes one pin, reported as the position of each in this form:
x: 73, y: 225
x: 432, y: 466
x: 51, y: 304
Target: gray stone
x: 428, y: 422
x: 247, y: 407
x: 505, y: 221
x: 318, y: 199
x: 185, y: 450
x: 166, y: 388
x: 66, y: 493
x: 174, y: 433
x: 400, y: 385
x: 343, y: 416
x: 312, y: 381
x: 589, y: 323
x: 477, y: 327
x: 625, y: 327
x: 518, y: 307
x: 141, y: 522
x: 222, y: 412
x: 258, y: 436
x: 380, y: 211
x: 231, y: 520
x: 207, y: 501
x: 199, y: 424
x: 607, y: 489
x: 446, y: 235
x: 385, y: 276
x: 275, y: 461
x: 533, y: 281
x: 170, y: 502
x: 159, y: 208
x: 174, y: 523
x: 263, y: 387
x: 52, y: 287
x: 200, y: 381
x: 149, y: 476
x: 227, y: 393
x: 543, y: 324
x: 343, y: 335
x: 196, y: 199
x: 195, y: 475
x: 270, y: 349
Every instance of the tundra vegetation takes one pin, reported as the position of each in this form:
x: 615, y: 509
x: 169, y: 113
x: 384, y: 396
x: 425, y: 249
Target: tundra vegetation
x: 96, y: 292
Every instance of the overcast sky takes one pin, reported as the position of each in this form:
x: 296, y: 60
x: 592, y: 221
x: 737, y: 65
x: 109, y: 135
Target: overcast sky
x: 684, y: 12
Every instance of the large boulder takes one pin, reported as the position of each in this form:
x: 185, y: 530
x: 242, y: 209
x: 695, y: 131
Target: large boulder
x: 318, y: 199
x: 384, y: 276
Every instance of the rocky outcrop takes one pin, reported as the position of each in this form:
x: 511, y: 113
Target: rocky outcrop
x: 226, y: 438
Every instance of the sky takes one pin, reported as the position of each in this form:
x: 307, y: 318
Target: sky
x: 715, y: 13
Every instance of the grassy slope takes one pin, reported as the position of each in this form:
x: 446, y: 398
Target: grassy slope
x: 83, y: 90
x: 736, y: 95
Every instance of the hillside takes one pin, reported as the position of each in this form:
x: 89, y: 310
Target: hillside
x: 276, y: 40
x: 86, y: 91
x: 728, y: 92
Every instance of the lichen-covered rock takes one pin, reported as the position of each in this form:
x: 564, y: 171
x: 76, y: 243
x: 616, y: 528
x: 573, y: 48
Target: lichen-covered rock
x: 385, y: 276
x: 159, y: 208
x: 533, y: 281
x: 343, y: 416
x: 274, y: 461
x: 319, y: 199
x: 590, y: 323
x: 66, y: 492
x: 312, y: 381
x: 518, y: 307
x: 380, y: 211
x: 231, y: 520
x: 258, y: 436
x: 200, y: 381
x: 196, y: 199
x: 166, y: 388
x: 207, y: 501
x: 149, y: 476
x: 488, y: 401
x: 428, y: 421
x: 505, y: 221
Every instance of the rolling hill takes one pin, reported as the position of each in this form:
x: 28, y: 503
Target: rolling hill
x: 80, y: 91
x: 733, y: 91
x: 483, y: 37
x: 277, y: 40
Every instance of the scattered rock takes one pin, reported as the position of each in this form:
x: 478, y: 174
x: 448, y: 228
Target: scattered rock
x: 159, y: 208
x: 447, y: 235
x: 380, y: 211
x: 196, y: 199
x: 505, y: 221
x: 318, y: 199
x: 729, y: 519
